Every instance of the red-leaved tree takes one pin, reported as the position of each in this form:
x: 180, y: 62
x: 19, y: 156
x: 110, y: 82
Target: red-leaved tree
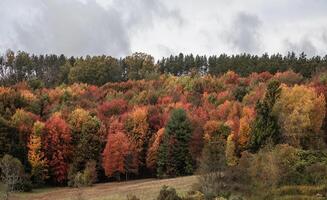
x: 118, y: 155
x: 57, y: 147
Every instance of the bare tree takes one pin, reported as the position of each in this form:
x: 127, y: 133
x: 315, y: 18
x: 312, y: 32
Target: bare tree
x: 12, y: 174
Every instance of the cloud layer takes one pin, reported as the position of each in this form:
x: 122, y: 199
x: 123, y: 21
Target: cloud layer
x: 77, y: 27
x: 162, y: 27
x: 244, y: 34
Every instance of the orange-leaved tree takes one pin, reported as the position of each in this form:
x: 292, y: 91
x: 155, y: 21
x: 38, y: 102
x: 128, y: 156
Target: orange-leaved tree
x: 57, y: 143
x: 118, y: 155
x: 151, y: 159
x: 247, y: 118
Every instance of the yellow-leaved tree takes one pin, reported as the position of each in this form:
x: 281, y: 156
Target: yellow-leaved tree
x: 248, y: 115
x: 300, y: 112
x: 138, y: 129
x: 36, y: 155
x: 231, y: 158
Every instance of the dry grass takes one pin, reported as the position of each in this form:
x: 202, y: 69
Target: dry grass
x: 146, y: 189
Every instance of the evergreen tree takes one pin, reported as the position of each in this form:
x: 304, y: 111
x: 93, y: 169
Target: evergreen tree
x: 9, y: 140
x: 174, y: 157
x: 265, y: 126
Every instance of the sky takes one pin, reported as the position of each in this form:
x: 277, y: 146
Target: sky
x: 163, y: 27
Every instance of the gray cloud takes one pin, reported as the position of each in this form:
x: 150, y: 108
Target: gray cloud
x: 324, y: 37
x: 140, y: 14
x: 75, y: 27
x: 69, y: 27
x: 304, y: 45
x: 160, y: 27
x: 244, y: 34
x: 164, y: 50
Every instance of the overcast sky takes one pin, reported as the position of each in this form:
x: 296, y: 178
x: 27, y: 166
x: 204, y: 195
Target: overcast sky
x: 163, y: 27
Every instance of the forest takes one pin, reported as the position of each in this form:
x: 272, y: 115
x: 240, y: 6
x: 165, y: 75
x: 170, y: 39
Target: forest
x: 253, y: 126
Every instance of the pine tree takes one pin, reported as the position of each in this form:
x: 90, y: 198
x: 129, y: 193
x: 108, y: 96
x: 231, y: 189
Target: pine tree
x: 265, y: 127
x: 174, y: 157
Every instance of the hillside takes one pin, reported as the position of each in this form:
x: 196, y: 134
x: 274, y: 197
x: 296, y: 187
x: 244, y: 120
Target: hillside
x: 243, y: 129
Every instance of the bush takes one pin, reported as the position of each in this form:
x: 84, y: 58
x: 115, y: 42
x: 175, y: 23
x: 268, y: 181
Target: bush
x: 313, y: 167
x: 85, y: 178
x: 13, y: 175
x: 132, y: 197
x: 316, y: 173
x: 259, y: 175
x: 213, y: 168
x: 26, y: 184
x: 90, y: 173
x: 168, y: 193
x: 194, y: 195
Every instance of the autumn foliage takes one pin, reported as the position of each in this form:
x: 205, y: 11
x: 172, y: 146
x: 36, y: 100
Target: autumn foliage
x: 36, y: 155
x: 115, y: 154
x: 152, y: 154
x: 301, y: 113
x: 58, y: 149
x: 157, y: 125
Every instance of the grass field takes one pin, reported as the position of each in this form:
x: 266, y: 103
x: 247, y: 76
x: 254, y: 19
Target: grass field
x: 145, y: 189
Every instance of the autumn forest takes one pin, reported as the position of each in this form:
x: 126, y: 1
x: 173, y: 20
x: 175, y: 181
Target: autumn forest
x: 243, y: 123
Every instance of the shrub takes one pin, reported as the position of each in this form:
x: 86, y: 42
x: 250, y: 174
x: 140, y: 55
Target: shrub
x: 194, y: 195
x: 168, y: 193
x: 90, y: 173
x: 212, y: 169
x: 132, y: 197
x: 85, y: 178
x: 13, y: 175
x: 78, y: 180
x: 301, y: 190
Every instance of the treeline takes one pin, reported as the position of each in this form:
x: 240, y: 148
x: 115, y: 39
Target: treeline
x: 78, y: 121
x: 53, y: 70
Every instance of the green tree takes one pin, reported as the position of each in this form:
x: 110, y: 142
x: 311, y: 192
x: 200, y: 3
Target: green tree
x: 140, y: 66
x: 174, y: 157
x: 86, y: 138
x: 9, y: 140
x: 96, y: 70
x: 265, y: 126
